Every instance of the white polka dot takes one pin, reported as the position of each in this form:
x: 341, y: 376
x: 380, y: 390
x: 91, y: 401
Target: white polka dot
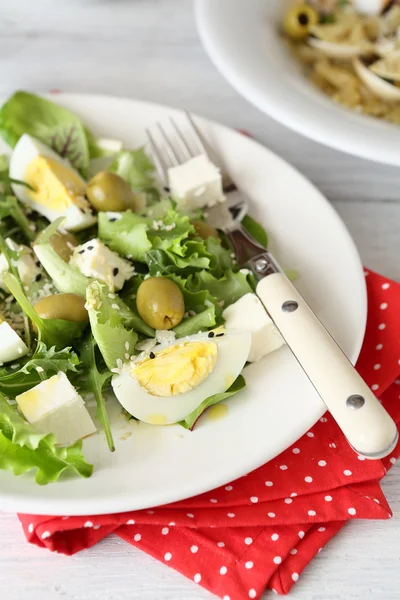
x: 376, y: 500
x: 385, y: 286
x: 379, y: 346
x: 296, y: 451
x: 322, y: 463
x: 252, y: 593
x: 277, y: 560
x: 377, y: 367
x: 310, y: 434
x: 295, y: 576
x: 223, y: 571
x: 283, y: 467
x: 197, y: 578
x: 274, y: 537
x: 301, y: 534
x: 321, y: 529
x: 383, y: 306
x: 220, y: 544
x: 150, y: 512
x: 65, y: 518
x: 332, y: 445
x: 249, y: 564
x: 167, y: 556
x: 190, y: 515
x: 382, y: 326
x: 323, y: 420
x: 347, y: 472
x: 393, y: 460
x: 231, y: 515
x: 30, y: 527
x: 88, y: 524
x: 228, y: 488
x: 165, y: 530
x: 351, y: 511
x: 293, y: 551
x: 130, y: 522
x: 271, y: 515
x: 366, y: 273
x: 374, y: 387
x: 248, y: 541
x: 361, y: 457
x: 213, y: 500
x: 293, y: 495
x: 288, y: 501
x: 96, y: 526
x: 269, y: 483
x: 226, y: 598
x: 137, y: 537
x: 328, y: 498
x: 254, y: 499
x: 308, y: 479
x: 172, y: 524
x: 311, y: 513
x: 45, y: 535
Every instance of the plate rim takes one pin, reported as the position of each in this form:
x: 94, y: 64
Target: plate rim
x: 266, y: 104
x: 40, y: 506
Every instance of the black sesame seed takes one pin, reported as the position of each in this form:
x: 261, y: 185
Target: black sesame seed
x: 38, y: 277
x: 89, y: 247
x: 112, y: 219
x: 37, y: 263
x: 115, y: 271
x: 211, y: 334
x: 166, y: 189
x: 303, y: 19
x: 81, y: 251
x: 152, y: 355
x: 220, y: 334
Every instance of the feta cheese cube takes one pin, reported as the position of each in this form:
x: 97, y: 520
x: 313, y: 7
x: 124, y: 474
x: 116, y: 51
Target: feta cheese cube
x: 95, y: 260
x: 195, y: 184
x: 11, y: 345
x: 26, y: 264
x: 249, y: 313
x: 54, y: 406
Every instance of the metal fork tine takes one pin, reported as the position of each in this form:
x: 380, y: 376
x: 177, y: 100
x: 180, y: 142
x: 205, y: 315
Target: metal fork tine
x: 174, y: 158
x: 185, y: 149
x: 197, y: 135
x: 159, y: 162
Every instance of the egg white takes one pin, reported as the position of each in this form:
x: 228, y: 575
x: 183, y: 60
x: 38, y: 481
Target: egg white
x: 233, y: 350
x: 25, y: 151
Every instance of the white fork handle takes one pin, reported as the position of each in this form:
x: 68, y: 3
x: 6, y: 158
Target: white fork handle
x: 366, y: 424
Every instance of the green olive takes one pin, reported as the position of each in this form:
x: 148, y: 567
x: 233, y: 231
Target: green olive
x: 204, y: 230
x: 63, y: 244
x: 160, y: 303
x: 69, y: 307
x: 109, y: 192
x: 298, y: 20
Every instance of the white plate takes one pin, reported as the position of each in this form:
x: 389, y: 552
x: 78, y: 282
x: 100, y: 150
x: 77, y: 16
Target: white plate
x: 242, y: 40
x: 155, y: 465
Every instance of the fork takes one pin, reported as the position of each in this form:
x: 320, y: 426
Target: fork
x: 367, y: 426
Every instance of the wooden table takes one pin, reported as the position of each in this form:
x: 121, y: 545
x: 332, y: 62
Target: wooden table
x: 150, y: 50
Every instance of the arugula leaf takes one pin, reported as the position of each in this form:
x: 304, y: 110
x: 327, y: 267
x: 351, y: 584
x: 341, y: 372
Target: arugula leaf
x: 112, y: 337
x: 256, y: 230
x: 52, y: 332
x: 22, y: 449
x: 44, y: 363
x: 95, y: 382
x: 9, y: 207
x: 138, y: 170
x: 200, y: 322
x: 52, y: 124
x: 190, y: 421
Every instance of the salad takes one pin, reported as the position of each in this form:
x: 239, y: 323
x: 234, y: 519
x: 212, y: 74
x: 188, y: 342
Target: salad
x: 112, y: 289
x: 350, y: 49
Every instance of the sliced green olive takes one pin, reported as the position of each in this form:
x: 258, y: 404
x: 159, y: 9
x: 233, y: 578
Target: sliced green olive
x: 204, y: 230
x: 298, y: 20
x: 160, y: 303
x: 64, y: 244
x: 68, y: 307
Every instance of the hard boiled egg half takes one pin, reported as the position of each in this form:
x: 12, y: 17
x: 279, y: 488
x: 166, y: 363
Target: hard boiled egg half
x: 59, y: 190
x: 167, y: 385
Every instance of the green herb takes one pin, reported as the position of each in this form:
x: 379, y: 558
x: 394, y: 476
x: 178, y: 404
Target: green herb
x: 22, y: 449
x: 256, y: 230
x: 138, y: 170
x: 329, y: 18
x: 200, y: 322
x: 9, y: 207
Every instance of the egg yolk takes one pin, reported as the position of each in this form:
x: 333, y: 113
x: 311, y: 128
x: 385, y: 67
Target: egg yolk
x: 176, y: 369
x: 56, y: 186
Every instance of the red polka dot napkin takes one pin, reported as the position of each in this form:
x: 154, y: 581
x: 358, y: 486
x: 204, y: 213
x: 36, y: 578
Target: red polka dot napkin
x: 262, y: 530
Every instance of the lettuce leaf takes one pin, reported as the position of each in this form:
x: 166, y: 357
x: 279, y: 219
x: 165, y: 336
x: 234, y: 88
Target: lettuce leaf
x: 52, y: 124
x: 226, y: 289
x: 200, y: 322
x: 44, y: 363
x: 138, y: 170
x: 256, y: 230
x: 127, y: 236
x: 112, y: 337
x: 22, y: 450
x: 9, y: 207
x: 191, y: 419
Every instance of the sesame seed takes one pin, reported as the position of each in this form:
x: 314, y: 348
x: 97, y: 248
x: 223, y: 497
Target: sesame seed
x: 220, y: 334
x: 115, y: 306
x: 112, y: 296
x: 81, y: 251
x: 115, y: 271
x: 127, y: 355
x: 211, y: 334
x: 112, y: 220
x: 38, y: 277
x: 152, y: 355
x: 90, y: 247
x: 39, y: 369
x: 126, y: 345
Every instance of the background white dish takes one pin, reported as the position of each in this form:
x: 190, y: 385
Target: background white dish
x: 157, y: 465
x: 242, y: 39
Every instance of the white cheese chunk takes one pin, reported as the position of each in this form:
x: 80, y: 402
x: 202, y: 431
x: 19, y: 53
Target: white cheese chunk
x: 249, y: 313
x: 54, y: 406
x: 95, y: 260
x: 196, y: 183
x: 11, y: 345
x: 26, y: 264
